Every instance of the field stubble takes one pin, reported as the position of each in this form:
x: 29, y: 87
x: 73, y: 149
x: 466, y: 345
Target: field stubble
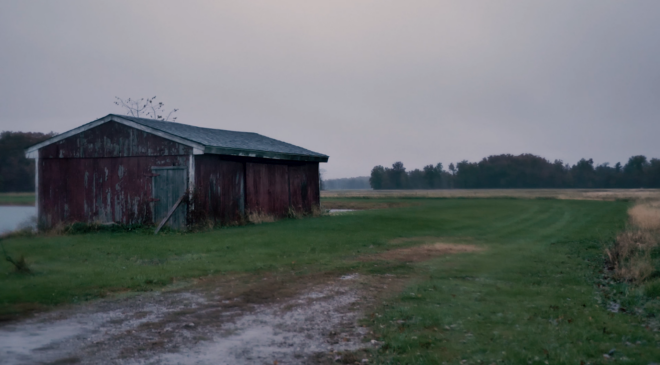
x: 570, y: 194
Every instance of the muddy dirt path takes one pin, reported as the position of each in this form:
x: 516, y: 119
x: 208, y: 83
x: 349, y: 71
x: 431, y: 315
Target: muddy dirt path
x: 315, y: 321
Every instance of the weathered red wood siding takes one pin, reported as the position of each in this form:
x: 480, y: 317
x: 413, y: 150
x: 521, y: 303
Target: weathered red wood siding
x: 219, y: 189
x: 113, y: 139
x: 98, y: 189
x: 226, y: 188
x: 103, y: 174
x: 267, y: 188
x: 304, y: 186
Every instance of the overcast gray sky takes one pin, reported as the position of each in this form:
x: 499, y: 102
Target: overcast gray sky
x: 366, y: 82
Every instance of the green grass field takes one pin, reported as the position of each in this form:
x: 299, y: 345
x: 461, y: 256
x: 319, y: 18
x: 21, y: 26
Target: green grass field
x: 16, y: 198
x: 529, y: 296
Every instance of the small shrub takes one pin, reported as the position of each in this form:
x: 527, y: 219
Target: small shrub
x: 20, y: 265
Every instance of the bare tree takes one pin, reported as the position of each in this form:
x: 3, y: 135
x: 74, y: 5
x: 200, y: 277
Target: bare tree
x: 145, y: 108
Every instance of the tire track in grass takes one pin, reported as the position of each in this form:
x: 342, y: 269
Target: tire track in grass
x: 487, y: 217
x: 485, y: 307
x: 521, y: 225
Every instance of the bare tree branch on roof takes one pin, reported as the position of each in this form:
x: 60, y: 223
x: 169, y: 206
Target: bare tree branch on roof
x: 145, y: 108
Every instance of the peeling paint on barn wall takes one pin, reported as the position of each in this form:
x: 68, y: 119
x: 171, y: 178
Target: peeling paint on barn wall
x: 304, y: 186
x: 226, y: 188
x: 219, y: 194
x: 103, y: 174
x: 267, y: 188
x: 81, y: 190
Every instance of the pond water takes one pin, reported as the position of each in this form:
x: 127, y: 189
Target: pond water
x: 11, y: 217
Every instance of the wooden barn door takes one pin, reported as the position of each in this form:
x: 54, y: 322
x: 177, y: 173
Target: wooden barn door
x: 168, y: 185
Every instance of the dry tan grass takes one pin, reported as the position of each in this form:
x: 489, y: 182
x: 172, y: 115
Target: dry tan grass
x: 421, y: 252
x: 630, y: 256
x: 299, y: 214
x: 572, y: 194
x: 426, y: 240
x: 646, y: 215
x: 317, y: 211
x: 260, y: 217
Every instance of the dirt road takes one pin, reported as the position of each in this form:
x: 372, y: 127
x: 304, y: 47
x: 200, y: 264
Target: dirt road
x: 315, y: 321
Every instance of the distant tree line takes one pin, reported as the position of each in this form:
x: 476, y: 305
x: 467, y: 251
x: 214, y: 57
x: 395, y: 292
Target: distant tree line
x: 351, y: 183
x: 16, y: 171
x: 522, y: 171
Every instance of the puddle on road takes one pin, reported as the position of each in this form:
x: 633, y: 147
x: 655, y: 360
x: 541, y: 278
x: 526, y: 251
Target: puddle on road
x: 17, y: 344
x: 189, y: 328
x: 277, y: 335
x: 71, y: 333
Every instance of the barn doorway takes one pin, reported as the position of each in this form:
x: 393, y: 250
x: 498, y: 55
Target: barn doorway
x: 169, y: 184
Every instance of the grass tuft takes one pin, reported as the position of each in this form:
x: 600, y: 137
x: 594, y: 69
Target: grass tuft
x: 20, y: 265
x: 652, y: 289
x: 259, y: 217
x: 294, y: 213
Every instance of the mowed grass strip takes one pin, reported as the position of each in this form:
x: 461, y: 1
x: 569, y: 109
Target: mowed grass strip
x: 529, y: 298
x: 527, y: 295
x: 26, y: 199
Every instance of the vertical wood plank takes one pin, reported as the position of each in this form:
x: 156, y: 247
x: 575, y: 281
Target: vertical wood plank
x: 169, y: 184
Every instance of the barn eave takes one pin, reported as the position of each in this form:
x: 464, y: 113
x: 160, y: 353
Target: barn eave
x: 198, y: 148
x: 263, y: 154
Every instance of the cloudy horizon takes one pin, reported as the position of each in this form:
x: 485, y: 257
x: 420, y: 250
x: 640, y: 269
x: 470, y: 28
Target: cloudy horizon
x: 367, y: 83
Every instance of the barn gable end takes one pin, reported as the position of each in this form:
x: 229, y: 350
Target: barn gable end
x: 103, y: 174
x: 112, y: 139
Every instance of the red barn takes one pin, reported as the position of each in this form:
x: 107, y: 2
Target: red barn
x: 131, y: 170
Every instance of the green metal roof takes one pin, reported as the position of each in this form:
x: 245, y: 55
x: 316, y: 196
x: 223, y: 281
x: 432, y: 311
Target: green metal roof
x: 205, y: 140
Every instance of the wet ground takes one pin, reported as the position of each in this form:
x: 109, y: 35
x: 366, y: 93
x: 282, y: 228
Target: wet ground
x: 231, y: 322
